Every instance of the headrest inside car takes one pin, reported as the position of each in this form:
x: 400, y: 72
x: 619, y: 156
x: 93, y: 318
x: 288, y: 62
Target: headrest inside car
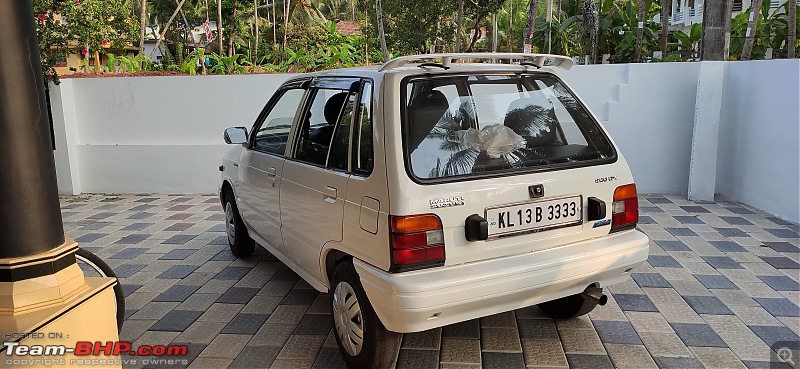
x: 425, y: 111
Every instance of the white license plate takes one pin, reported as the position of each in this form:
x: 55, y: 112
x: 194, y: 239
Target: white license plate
x: 535, y: 216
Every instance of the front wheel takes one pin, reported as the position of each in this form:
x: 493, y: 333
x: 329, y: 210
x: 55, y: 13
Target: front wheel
x: 363, y: 340
x: 238, y: 239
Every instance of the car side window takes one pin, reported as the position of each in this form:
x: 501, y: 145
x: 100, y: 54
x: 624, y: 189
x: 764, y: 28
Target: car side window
x: 319, y: 124
x: 273, y: 134
x: 362, y: 134
x: 341, y: 139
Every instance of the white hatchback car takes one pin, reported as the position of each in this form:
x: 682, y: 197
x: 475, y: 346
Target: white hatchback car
x: 429, y: 193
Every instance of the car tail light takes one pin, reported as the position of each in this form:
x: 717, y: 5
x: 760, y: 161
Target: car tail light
x: 625, y: 209
x: 417, y: 242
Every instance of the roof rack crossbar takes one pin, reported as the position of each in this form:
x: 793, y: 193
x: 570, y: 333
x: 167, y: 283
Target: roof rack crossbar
x: 538, y: 60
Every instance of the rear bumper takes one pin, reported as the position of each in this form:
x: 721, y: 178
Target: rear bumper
x: 425, y: 299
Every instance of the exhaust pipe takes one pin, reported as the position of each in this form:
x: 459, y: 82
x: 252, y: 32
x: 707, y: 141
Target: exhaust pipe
x: 595, y: 294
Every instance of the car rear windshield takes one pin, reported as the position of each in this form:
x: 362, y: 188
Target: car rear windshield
x: 475, y: 125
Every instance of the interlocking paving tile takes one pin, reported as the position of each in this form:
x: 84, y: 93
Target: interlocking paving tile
x: 417, y: 359
x: 663, y: 261
x: 781, y: 262
x: 238, y: 295
x: 232, y: 273
x: 178, y: 271
x: 460, y: 350
x: 634, y: 302
x: 179, y: 239
x: 715, y: 282
x: 673, y: 246
x: 226, y: 346
x: 255, y: 357
x: 665, y: 344
x: 580, y: 341
x: 739, y: 338
x: 177, y: 293
x: 630, y: 356
x: 314, y: 324
x: 543, y: 353
x: 698, y: 335
x: 535, y: 329
x: 468, y: 329
x: 617, y: 332
x: 783, y: 247
x: 429, y: 339
x: 300, y: 297
x: 773, y: 364
x: 779, y: 306
x: 772, y: 335
x: 301, y: 347
x: 679, y: 231
x: 176, y: 321
x: 722, y: 262
x: 502, y: 320
x: 678, y: 363
x: 177, y: 254
x: 780, y: 283
x: 707, y: 305
x: 245, y: 323
x: 581, y: 361
x: 128, y: 253
x: 728, y: 246
x: 650, y: 280
x: 502, y: 360
x: 717, y: 358
x: 500, y: 339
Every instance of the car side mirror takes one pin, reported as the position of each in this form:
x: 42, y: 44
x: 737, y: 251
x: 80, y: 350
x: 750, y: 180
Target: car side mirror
x: 236, y: 135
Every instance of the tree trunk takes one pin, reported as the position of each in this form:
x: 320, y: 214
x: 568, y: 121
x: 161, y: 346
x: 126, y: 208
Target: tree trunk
x: 476, y: 29
x: 752, y: 25
x: 381, y: 33
x: 664, y: 26
x: 716, y: 38
x: 233, y: 31
x: 639, y: 32
x: 255, y: 15
x: 792, y: 37
x: 459, y: 25
x: 143, y: 25
x: 286, y: 6
x: 274, y: 25
x: 219, y: 25
x: 185, y: 22
x: 529, y: 26
x: 169, y: 22
x: 511, y: 26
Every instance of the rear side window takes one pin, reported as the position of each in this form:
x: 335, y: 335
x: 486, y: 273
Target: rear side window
x: 317, y: 129
x: 273, y: 133
x: 471, y: 125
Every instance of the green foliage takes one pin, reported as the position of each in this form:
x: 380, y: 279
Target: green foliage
x: 193, y: 62
x: 52, y: 35
x: 234, y: 64
x: 98, y: 25
x: 688, y: 44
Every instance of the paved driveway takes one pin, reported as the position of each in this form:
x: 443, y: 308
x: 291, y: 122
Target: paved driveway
x: 720, y: 290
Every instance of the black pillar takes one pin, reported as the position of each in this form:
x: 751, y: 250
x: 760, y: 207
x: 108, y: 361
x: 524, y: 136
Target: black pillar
x: 30, y: 217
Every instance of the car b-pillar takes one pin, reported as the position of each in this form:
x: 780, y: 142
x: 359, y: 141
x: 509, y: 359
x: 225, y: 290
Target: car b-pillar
x: 44, y: 297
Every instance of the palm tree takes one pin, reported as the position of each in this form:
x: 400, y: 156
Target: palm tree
x: 752, y: 25
x: 529, y: 25
x: 639, y: 32
x: 142, y: 25
x: 381, y: 34
x: 792, y: 36
x: 664, y: 26
x: 460, y: 24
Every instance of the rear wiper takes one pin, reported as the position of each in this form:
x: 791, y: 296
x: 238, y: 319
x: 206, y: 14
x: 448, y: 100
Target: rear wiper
x: 431, y: 64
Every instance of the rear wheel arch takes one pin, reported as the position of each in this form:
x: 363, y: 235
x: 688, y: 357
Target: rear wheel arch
x: 333, y: 257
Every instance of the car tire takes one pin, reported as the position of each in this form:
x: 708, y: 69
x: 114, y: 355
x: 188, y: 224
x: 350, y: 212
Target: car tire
x: 351, y: 311
x: 569, y: 307
x: 238, y: 237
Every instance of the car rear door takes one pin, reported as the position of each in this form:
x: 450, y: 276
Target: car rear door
x: 315, y: 176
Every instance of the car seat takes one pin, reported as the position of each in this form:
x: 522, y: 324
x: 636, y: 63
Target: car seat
x: 425, y: 111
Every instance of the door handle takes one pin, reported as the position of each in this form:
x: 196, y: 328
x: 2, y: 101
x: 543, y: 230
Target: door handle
x: 271, y: 172
x: 330, y: 194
